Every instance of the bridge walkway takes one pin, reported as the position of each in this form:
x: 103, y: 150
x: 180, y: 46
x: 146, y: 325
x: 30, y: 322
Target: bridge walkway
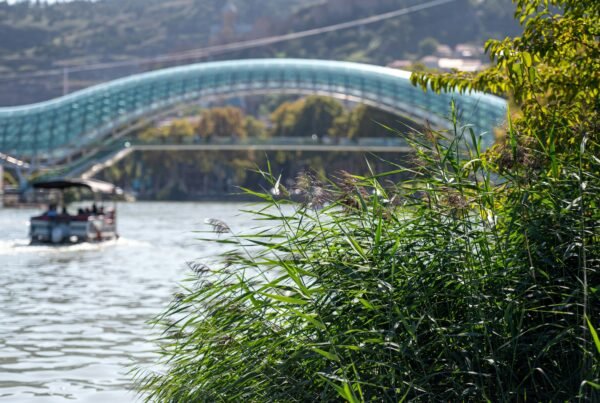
x: 107, y: 156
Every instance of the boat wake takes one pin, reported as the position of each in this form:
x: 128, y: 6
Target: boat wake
x: 24, y: 247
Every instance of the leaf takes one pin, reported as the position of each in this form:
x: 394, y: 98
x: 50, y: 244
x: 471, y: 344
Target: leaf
x: 517, y: 69
x: 316, y: 323
x: 356, y: 247
x: 326, y: 354
x: 366, y: 304
x: 592, y: 384
x: 348, y: 394
x: 594, y: 334
x: 288, y: 300
x: 378, y: 232
x: 527, y: 59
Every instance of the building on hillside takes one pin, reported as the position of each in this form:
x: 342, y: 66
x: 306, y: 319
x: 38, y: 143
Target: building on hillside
x: 430, y: 62
x: 464, y: 57
x: 465, y: 50
x: 444, y: 51
x: 401, y: 64
x: 440, y: 63
x: 468, y: 65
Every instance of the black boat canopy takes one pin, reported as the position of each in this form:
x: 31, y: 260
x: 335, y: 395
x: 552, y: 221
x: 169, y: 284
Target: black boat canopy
x: 94, y: 185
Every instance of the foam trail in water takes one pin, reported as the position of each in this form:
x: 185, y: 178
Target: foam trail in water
x: 23, y: 246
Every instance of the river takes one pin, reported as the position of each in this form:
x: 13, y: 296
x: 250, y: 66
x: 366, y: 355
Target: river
x: 73, y: 319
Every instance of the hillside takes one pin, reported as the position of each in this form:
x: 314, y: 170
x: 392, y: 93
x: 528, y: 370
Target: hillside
x: 37, y: 37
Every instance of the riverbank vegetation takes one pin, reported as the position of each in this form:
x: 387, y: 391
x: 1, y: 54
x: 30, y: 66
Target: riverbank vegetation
x: 194, y: 175
x: 475, y: 280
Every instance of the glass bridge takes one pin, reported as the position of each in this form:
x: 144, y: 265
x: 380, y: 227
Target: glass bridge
x: 56, y: 129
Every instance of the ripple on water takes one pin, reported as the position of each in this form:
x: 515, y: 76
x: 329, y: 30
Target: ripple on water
x: 74, y: 318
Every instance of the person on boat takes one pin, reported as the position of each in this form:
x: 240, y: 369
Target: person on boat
x: 94, y: 209
x: 52, y: 211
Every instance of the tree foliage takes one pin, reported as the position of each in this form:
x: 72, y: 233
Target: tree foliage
x: 227, y: 121
x: 367, y: 121
x: 552, y: 71
x: 306, y: 116
x: 325, y: 116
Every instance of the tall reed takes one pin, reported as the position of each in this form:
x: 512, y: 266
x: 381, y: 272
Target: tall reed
x: 474, y: 280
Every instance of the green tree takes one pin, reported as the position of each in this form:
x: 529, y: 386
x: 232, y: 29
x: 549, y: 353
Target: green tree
x: 180, y: 130
x: 367, y: 121
x: 552, y: 72
x: 255, y: 128
x: 307, y: 116
x: 343, y: 125
x: 317, y: 115
x: 285, y: 118
x: 177, y: 131
x: 222, y: 122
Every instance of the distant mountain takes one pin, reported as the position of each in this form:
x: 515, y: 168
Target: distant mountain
x: 37, y: 37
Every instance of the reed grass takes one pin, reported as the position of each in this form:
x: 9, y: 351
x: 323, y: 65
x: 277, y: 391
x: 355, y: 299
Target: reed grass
x: 475, y: 280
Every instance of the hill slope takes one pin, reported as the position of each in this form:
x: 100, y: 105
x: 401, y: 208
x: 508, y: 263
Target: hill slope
x: 38, y: 37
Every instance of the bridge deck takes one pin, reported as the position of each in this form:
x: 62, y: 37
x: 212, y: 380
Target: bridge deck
x: 275, y: 147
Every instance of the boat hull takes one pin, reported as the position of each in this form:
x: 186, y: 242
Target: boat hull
x: 60, y: 230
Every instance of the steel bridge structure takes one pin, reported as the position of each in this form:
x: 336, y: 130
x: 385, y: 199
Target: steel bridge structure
x: 50, y: 132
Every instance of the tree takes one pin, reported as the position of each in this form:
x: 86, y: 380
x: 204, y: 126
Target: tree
x: 551, y: 71
x: 254, y: 128
x: 307, y: 116
x: 222, y: 122
x: 368, y: 121
x: 285, y: 117
x: 317, y: 115
x: 179, y: 130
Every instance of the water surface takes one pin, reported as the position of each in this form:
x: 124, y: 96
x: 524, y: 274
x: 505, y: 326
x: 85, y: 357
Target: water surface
x: 73, y: 319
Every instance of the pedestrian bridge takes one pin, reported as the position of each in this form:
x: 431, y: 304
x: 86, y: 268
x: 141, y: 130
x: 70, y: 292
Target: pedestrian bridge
x: 54, y: 130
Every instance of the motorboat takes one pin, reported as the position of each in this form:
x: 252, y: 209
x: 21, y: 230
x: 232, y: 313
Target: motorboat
x: 93, y: 223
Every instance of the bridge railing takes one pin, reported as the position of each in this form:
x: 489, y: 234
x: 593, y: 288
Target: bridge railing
x: 279, y: 140
x: 106, y: 150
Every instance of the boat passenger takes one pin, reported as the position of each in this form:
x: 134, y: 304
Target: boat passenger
x: 52, y: 211
x: 94, y: 209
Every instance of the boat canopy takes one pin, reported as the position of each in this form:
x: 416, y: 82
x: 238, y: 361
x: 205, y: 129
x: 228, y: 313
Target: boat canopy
x: 94, y: 185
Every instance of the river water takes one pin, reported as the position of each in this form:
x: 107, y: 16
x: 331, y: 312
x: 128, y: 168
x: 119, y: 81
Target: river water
x: 73, y: 319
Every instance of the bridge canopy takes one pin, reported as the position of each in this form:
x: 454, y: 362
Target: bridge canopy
x: 64, y: 126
